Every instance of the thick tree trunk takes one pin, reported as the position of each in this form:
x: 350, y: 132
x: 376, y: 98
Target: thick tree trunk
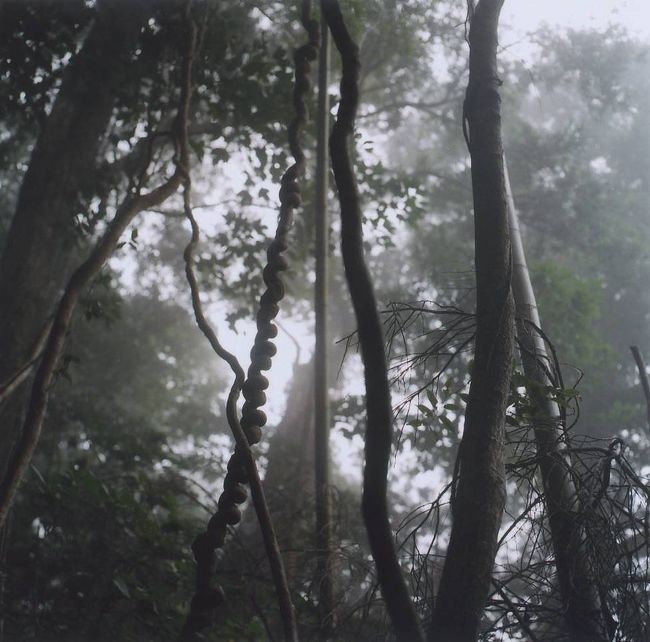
x: 578, y: 587
x: 41, y: 246
x: 480, y: 491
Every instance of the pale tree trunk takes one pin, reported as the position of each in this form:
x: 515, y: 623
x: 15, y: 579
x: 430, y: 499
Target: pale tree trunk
x: 479, y: 496
x: 290, y: 472
x: 40, y: 247
x: 643, y: 378
x: 325, y: 565
x: 578, y: 587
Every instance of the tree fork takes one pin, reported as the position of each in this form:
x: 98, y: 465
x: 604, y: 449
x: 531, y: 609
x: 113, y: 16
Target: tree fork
x: 378, y: 405
x: 479, y: 497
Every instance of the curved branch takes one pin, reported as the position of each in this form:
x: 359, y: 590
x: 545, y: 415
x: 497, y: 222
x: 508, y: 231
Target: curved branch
x: 248, y: 431
x: 378, y: 405
x: 33, y: 423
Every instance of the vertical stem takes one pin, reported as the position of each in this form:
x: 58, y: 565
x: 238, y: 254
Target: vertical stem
x: 643, y: 375
x: 325, y: 568
x: 479, y: 498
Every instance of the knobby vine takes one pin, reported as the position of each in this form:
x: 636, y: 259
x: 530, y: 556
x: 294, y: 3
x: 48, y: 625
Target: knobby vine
x: 241, y: 468
x: 378, y: 406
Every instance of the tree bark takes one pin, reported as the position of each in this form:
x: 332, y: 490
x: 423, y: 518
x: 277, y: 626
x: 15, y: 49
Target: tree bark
x: 40, y: 247
x: 578, y: 586
x: 479, y: 496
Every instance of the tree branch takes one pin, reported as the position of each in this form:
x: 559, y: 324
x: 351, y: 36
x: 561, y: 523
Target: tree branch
x: 378, y: 405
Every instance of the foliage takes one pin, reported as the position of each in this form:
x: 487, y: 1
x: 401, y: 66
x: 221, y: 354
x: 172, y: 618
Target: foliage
x: 115, y: 493
x: 99, y: 544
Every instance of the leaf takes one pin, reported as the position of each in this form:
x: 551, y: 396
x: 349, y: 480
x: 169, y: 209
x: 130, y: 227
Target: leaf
x: 448, y: 423
x: 121, y: 586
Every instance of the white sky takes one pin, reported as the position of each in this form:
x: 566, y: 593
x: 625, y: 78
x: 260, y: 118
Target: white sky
x: 527, y: 15
x: 518, y: 18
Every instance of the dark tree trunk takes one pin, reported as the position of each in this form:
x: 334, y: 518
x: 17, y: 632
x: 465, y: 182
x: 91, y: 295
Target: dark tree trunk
x: 379, y: 413
x: 480, y: 492
x: 40, y: 247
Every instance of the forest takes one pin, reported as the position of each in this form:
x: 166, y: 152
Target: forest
x: 322, y: 321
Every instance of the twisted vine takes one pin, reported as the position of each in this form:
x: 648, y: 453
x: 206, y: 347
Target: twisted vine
x: 241, y: 467
x: 378, y: 406
x: 253, y: 419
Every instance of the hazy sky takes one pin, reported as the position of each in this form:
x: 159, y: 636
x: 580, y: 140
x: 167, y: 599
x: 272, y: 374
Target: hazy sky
x: 526, y: 15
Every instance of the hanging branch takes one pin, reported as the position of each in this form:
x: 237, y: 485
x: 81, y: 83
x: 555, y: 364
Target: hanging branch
x: 479, y: 498
x: 241, y: 466
x: 133, y: 204
x: 378, y: 406
x: 8, y: 387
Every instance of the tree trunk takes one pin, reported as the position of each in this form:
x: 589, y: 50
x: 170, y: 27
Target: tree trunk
x: 325, y: 570
x: 479, y: 497
x: 643, y: 377
x: 578, y: 586
x: 40, y: 247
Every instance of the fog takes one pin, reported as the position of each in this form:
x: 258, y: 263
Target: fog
x: 130, y: 457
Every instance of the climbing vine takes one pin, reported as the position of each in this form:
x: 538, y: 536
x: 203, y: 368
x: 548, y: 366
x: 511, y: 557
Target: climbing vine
x: 378, y: 405
x: 241, y: 468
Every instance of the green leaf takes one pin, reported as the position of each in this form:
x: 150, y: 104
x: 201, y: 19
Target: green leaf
x: 448, y: 423
x: 121, y: 586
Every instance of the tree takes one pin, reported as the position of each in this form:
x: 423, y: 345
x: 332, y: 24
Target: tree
x: 575, y: 568
x: 479, y: 496
x: 39, y: 247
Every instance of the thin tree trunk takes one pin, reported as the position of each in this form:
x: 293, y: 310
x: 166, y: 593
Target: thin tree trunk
x: 325, y: 565
x: 40, y: 247
x: 578, y: 585
x: 479, y: 496
x: 378, y: 405
x: 643, y: 376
